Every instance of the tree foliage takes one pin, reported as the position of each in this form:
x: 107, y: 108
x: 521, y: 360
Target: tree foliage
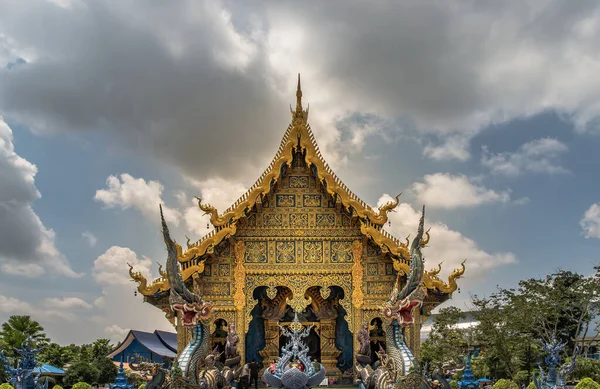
x: 15, y: 332
x: 587, y: 383
x: 6, y: 386
x: 108, y: 370
x: 505, y: 384
x: 82, y: 385
x: 446, y: 342
x: 81, y: 371
x: 586, y: 368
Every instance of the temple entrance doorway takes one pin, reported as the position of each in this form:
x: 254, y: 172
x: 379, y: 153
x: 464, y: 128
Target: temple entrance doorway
x: 377, y: 335
x: 219, y: 336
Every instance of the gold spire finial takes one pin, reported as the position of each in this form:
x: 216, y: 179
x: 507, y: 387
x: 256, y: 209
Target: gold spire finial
x: 299, y: 96
x: 299, y: 113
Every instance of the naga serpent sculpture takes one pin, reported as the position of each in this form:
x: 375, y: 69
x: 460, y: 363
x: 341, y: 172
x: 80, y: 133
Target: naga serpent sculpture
x: 397, y: 360
x: 192, y: 310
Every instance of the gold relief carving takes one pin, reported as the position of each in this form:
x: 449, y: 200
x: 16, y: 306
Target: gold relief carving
x: 380, y: 288
x: 256, y: 251
x: 313, y: 251
x: 224, y: 270
x: 206, y: 245
x: 298, y: 220
x: 285, y: 200
x: 372, y: 269
x: 432, y: 281
x: 239, y: 274
x: 217, y: 289
x: 325, y: 220
x: 387, y: 244
x: 341, y: 251
x: 297, y: 283
x: 298, y: 181
x: 357, y: 275
x: 285, y: 251
x: 273, y: 220
x: 312, y: 200
x: 161, y: 284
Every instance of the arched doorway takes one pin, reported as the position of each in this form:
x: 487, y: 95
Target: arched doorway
x: 377, y: 335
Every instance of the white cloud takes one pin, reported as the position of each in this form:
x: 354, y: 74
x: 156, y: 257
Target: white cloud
x: 443, y: 190
x: 537, y: 156
x: 111, y: 267
x: 590, y: 223
x: 129, y: 192
x: 115, y: 332
x: 219, y: 193
x: 13, y: 306
x: 454, y: 147
x: 66, y: 303
x: 27, y: 247
x: 90, y: 238
x: 446, y: 245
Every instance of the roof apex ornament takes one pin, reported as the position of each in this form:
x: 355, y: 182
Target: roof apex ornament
x: 299, y: 113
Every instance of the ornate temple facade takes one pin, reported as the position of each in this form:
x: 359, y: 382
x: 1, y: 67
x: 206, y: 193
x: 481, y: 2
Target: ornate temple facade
x: 298, y: 241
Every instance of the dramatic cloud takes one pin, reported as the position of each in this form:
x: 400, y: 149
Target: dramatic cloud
x: 129, y: 192
x: 442, y: 190
x: 90, y: 238
x: 13, y: 306
x: 27, y: 247
x: 217, y: 192
x: 111, y: 267
x: 447, y: 245
x: 537, y: 156
x: 590, y: 223
x: 217, y: 76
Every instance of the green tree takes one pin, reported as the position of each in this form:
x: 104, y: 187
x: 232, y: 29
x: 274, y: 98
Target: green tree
x: 56, y: 355
x: 6, y: 386
x: 108, y: 370
x: 81, y: 371
x: 446, y: 342
x: 586, y: 368
x: 15, y: 332
x: 587, y: 383
x: 521, y: 378
x: 505, y: 384
x: 101, y: 348
x: 57, y: 387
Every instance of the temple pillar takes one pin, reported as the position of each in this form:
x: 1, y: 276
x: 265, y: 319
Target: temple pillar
x: 357, y: 290
x: 239, y: 298
x: 329, y: 353
x: 271, y: 350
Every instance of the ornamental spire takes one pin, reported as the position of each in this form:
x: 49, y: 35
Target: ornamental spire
x: 299, y: 113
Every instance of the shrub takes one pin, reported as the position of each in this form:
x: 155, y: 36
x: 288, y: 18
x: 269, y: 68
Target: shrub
x: 6, y: 386
x: 586, y: 368
x: 82, y: 385
x: 453, y: 384
x: 142, y: 386
x: 587, y: 383
x: 505, y: 384
x: 81, y: 371
x: 531, y: 386
x: 57, y: 387
x: 522, y: 377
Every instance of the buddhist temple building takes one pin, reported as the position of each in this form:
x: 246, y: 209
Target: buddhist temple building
x: 299, y: 240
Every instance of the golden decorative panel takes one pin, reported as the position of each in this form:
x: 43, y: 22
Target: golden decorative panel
x: 217, y: 289
x: 285, y: 252
x: 285, y: 200
x: 340, y: 251
x: 325, y: 220
x: 299, y: 182
x: 379, y: 288
x: 224, y: 270
x: 312, y: 200
x: 256, y: 252
x: 298, y: 220
x: 312, y: 251
x: 273, y: 220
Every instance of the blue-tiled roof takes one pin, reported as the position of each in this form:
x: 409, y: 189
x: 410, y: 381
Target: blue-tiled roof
x: 168, y: 338
x: 49, y: 369
x: 152, y: 342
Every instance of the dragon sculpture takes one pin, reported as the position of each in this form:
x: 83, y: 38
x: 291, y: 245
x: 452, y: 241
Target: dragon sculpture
x: 397, y: 360
x: 23, y: 377
x: 555, y: 378
x: 288, y: 373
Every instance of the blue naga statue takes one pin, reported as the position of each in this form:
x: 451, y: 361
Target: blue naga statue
x: 555, y: 378
x: 295, y: 370
x: 23, y: 377
x: 398, y: 368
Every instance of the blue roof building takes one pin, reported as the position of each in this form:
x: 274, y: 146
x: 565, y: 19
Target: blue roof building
x: 158, y: 347
x: 46, y: 369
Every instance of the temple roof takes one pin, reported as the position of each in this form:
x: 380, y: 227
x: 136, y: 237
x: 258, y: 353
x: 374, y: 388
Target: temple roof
x: 158, y: 342
x: 299, y: 136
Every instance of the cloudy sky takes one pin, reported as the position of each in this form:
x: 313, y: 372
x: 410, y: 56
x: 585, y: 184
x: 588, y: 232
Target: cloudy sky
x: 487, y: 112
